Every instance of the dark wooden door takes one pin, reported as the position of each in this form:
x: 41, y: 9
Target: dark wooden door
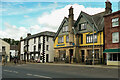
x: 82, y: 55
x: 47, y: 57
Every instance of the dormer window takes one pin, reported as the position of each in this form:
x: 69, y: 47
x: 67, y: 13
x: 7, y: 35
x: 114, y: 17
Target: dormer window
x: 82, y: 26
x: 65, y: 28
x: 115, y: 22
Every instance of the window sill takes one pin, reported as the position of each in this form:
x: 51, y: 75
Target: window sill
x: 115, y: 42
x: 115, y: 26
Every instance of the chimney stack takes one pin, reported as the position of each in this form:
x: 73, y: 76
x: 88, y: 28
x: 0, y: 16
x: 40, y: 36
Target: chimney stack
x: 70, y: 24
x: 28, y: 34
x: 108, y: 8
x: 21, y: 38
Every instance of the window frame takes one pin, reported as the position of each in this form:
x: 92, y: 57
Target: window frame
x: 85, y: 26
x: 67, y: 40
x: 47, y: 38
x: 115, y: 22
x: 34, y: 40
x: 47, y: 47
x: 89, y: 38
x: 114, y: 37
x: 61, y: 40
x: 65, y: 28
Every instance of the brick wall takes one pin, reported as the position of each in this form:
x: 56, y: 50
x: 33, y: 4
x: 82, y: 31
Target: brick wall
x: 109, y: 30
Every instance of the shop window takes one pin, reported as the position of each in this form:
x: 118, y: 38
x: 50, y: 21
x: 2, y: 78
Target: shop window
x: 110, y: 58
x: 118, y: 56
x: 114, y: 57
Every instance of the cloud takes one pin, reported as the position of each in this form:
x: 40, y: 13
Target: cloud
x: 46, y: 22
x: 11, y: 31
x: 56, y: 16
x: 15, y: 32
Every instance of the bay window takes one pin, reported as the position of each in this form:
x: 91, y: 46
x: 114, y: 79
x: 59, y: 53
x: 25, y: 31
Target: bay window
x: 90, y: 38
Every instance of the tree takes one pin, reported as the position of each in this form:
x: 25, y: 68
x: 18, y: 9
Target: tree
x: 11, y: 41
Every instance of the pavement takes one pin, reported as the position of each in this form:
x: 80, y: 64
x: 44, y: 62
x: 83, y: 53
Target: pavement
x: 79, y: 65
x: 52, y: 70
x: 67, y: 64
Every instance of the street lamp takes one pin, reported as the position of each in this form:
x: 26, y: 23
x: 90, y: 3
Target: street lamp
x: 93, y: 44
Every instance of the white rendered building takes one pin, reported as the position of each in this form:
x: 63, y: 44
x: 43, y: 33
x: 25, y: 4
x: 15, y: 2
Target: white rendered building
x: 38, y: 47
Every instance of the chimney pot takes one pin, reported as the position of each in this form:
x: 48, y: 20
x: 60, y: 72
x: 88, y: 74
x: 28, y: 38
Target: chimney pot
x: 108, y: 8
x: 28, y: 34
x: 21, y: 38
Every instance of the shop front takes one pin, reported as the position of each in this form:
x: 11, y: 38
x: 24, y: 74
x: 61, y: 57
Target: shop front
x: 113, y: 56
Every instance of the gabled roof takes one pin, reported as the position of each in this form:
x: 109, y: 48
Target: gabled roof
x: 60, y: 27
x: 96, y: 19
x: 45, y: 33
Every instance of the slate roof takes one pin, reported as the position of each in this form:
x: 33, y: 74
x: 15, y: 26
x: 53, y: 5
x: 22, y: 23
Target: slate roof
x: 45, y: 33
x: 60, y: 27
x: 96, y: 19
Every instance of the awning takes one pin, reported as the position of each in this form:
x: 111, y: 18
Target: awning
x: 111, y: 51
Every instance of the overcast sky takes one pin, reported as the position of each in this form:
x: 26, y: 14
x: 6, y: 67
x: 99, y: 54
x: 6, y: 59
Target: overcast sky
x: 20, y: 18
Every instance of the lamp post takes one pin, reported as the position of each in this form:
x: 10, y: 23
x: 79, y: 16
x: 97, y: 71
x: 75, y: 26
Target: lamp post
x: 93, y: 44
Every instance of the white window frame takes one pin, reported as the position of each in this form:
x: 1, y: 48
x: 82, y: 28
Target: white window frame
x: 67, y: 38
x: 115, y: 37
x: 115, y: 20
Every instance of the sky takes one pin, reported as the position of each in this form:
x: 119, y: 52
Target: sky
x: 19, y: 18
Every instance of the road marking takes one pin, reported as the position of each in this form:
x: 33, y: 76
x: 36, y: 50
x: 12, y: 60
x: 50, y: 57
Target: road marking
x: 7, y: 70
x: 15, y: 71
x: 42, y: 76
x: 11, y: 71
x: 38, y: 76
x: 29, y: 74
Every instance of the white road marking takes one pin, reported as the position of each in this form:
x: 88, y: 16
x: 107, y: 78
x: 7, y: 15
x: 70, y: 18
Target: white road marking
x: 29, y: 74
x: 42, y: 76
x: 11, y: 71
x: 7, y: 70
x: 15, y: 71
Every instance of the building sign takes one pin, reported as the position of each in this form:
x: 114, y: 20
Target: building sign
x: 60, y: 45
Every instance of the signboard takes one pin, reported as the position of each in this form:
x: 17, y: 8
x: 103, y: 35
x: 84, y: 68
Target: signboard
x: 60, y: 45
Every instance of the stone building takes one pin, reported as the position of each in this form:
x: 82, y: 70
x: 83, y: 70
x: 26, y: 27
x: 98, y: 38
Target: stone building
x: 74, y: 39
x: 4, y: 51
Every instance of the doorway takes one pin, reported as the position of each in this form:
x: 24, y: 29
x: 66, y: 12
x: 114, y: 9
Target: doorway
x: 47, y: 57
x: 71, y: 54
x: 82, y: 51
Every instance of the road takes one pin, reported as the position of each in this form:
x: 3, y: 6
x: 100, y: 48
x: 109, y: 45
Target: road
x: 56, y: 71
